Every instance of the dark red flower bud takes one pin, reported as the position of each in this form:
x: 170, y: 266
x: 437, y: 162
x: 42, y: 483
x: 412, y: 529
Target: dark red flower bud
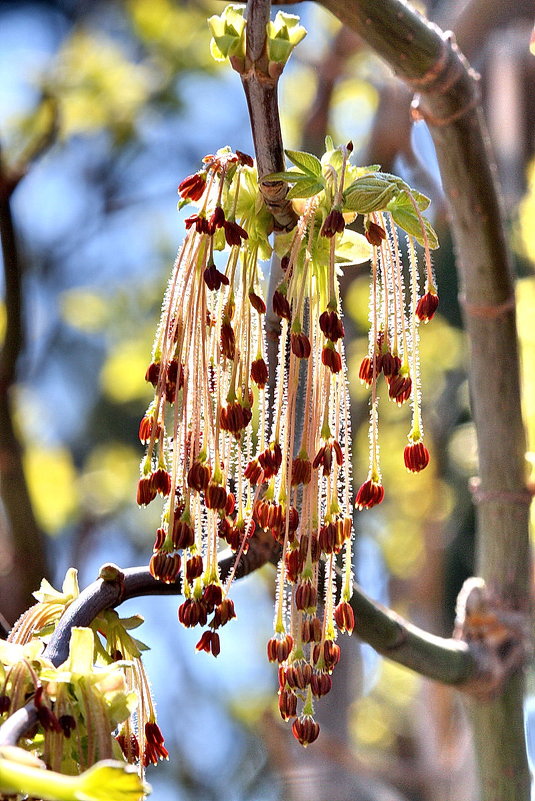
x: 147, y: 428
x: 279, y: 648
x: 234, y: 233
x: 146, y: 492
x: 271, y: 460
x: 399, y: 388
x: 154, y: 745
x: 257, y: 303
x: 416, y: 457
x: 215, y: 496
x: 212, y: 596
x: 301, y: 471
x: 281, y: 307
x: 331, y: 358
x: 174, y: 379
x: 320, y: 684
x: 294, y: 563
x: 202, y: 226
x: 227, y: 340
x: 214, y: 279
x: 223, y: 613
x: 287, y: 705
x: 152, y: 374
x: 370, y: 494
x: 165, y: 567
x: 161, y: 481
x: 230, y: 504
x: 194, y: 567
x: 427, y: 306
x: 298, y: 675
x: 311, y: 630
x: 334, y: 223
x: 390, y: 364
x: 300, y: 345
x: 68, y: 724
x: 192, y: 187
x: 259, y: 373
x: 330, y: 653
x: 254, y: 472
x: 344, y: 617
x: 129, y: 746
x: 5, y: 703
x: 199, y: 475
x: 324, y: 457
x: 192, y: 613
x: 244, y: 159
x: 331, y: 325
x: 306, y: 597
x: 285, y: 261
x: 183, y: 534
x: 159, y: 540
x: 235, y: 417
x: 374, y: 234
x: 217, y: 219
x: 306, y: 730
x: 48, y: 719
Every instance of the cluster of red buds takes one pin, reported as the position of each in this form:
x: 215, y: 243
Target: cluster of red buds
x: 294, y: 480
x: 394, y: 340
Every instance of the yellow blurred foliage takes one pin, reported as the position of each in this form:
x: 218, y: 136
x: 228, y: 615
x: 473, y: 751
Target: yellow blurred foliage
x: 52, y: 484
x: 123, y: 375
x: 84, y: 310
x: 109, y: 478
x: 98, y: 85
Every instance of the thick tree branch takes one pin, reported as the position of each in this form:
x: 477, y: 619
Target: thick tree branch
x: 23, y: 535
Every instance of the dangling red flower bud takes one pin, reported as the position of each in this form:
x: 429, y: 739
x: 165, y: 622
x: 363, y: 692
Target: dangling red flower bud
x: 306, y: 730
x: 234, y: 233
x: 301, y: 471
x: 370, y: 494
x: 300, y: 345
x: 279, y: 648
x: 165, y: 567
x: 257, y: 303
x: 213, y: 278
x: 374, y: 233
x: 334, y: 223
x: 192, y: 613
x: 427, y: 306
x: 259, y: 373
x: 416, y: 457
x: 399, y: 388
x: 287, y: 704
x: 281, y: 307
x: 194, y: 567
x: 154, y: 745
x: 331, y: 358
x: 192, y: 187
x: 331, y: 325
x: 161, y: 481
x: 202, y: 226
x: 146, y: 492
x: 152, y: 374
x: 344, y: 617
x: 227, y: 339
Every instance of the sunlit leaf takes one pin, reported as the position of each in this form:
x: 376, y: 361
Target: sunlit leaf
x: 306, y: 162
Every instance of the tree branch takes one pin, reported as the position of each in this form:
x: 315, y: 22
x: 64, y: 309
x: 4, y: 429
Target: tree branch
x: 430, y: 63
x: 261, y: 93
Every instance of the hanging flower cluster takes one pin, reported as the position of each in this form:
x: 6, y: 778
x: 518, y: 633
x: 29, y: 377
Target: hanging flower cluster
x: 224, y: 478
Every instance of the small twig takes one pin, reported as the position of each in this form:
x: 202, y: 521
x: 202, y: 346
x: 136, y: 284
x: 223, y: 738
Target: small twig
x: 261, y: 93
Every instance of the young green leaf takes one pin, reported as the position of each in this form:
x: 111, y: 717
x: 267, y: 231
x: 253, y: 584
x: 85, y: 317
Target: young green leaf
x: 404, y: 215
x: 369, y: 193
x: 306, y: 188
x: 306, y: 162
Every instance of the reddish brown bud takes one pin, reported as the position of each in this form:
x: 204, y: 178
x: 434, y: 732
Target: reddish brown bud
x: 165, y: 567
x: 183, y: 535
x: 234, y: 233
x: 227, y: 340
x: 370, y: 494
x: 311, y: 630
x: 324, y: 457
x: 68, y: 724
x: 300, y: 345
x: 254, y: 472
x: 306, y: 597
x: 244, y: 159
x: 298, y: 675
x: 48, y: 719
x: 223, y: 613
x: 5, y: 703
x: 320, y: 684
x: 234, y: 417
x: 331, y: 358
x: 147, y: 428
x: 217, y: 219
x: 192, y: 187
x: 330, y: 653
x: 257, y: 303
x: 281, y: 307
x: 199, y: 475
x: 331, y: 325
x: 334, y: 223
x: 374, y: 234
x: 215, y: 496
x: 271, y: 460
x: 152, y: 374
x: 294, y: 564
x: 306, y: 730
x: 212, y: 596
x: 192, y: 613
x: 279, y: 648
x: 301, y: 471
x: 213, y: 278
x: 161, y: 481
x: 259, y: 373
x: 416, y: 457
x: 427, y: 306
x: 287, y: 705
x: 390, y: 364
x: 194, y: 567
x: 399, y: 388
x: 159, y: 540
x: 202, y: 226
x: 344, y: 617
x: 154, y: 745
x: 146, y: 492
x: 129, y: 746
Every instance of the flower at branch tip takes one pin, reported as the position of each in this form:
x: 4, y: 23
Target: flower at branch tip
x: 344, y: 617
x: 215, y: 496
x: 154, y: 744
x: 192, y: 187
x: 311, y: 630
x: 199, y: 475
x: 427, y: 306
x: 334, y: 223
x: 223, y: 612
x: 298, y: 675
x: 390, y: 364
x: 209, y: 642
x: 324, y: 457
x: 301, y: 471
x: 416, y: 457
x: 271, y: 460
x: 254, y: 472
x: 235, y: 417
x: 306, y: 597
x: 217, y: 220
x: 148, y: 428
x: 183, y: 534
x: 370, y: 494
x: 305, y: 729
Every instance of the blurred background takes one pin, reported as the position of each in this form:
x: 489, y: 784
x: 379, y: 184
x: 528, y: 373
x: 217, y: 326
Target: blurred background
x: 106, y: 106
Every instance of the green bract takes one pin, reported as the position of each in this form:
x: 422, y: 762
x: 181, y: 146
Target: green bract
x: 283, y: 34
x: 228, y: 33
